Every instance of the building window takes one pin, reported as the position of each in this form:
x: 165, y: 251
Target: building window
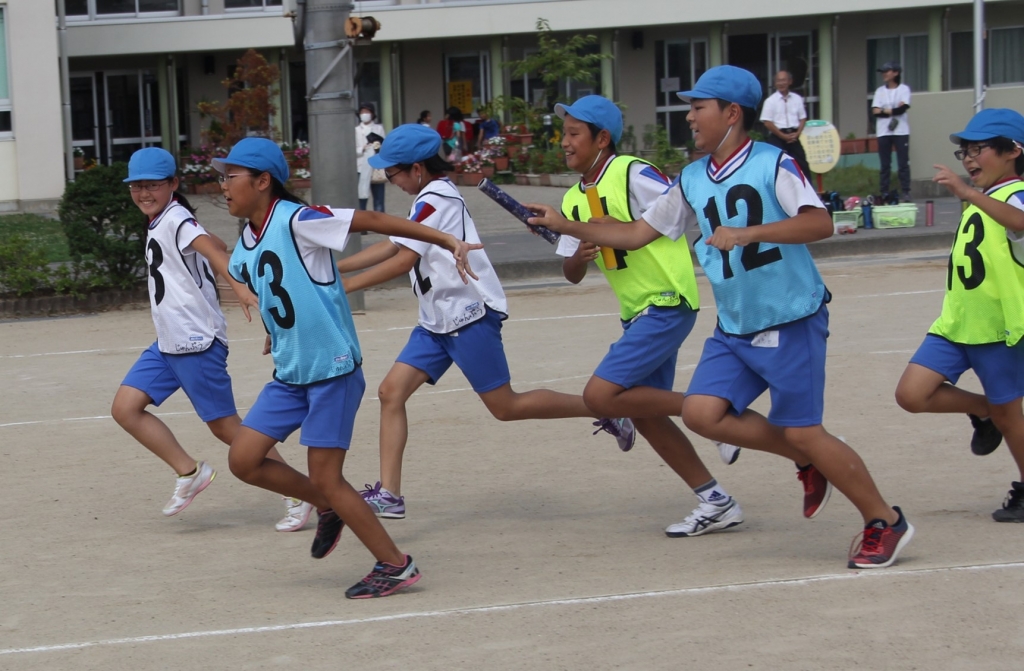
x: 961, y: 60
x: 251, y: 4
x: 105, y: 9
x: 910, y: 51
x: 678, y: 64
x: 5, y: 91
x: 467, y: 80
x: 1006, y: 56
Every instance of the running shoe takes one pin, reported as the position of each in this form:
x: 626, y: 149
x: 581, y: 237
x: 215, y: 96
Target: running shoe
x: 817, y: 490
x: 188, y: 487
x: 621, y: 428
x: 328, y: 532
x: 707, y: 517
x: 728, y: 453
x: 384, y: 503
x: 986, y: 436
x: 1013, y: 506
x: 385, y: 579
x: 297, y: 515
x: 879, y: 544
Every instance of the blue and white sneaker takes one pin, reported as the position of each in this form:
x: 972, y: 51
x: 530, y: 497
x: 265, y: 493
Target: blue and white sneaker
x: 707, y: 517
x: 622, y: 428
x: 384, y: 503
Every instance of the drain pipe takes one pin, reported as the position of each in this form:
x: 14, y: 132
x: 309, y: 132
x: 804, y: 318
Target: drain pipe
x: 65, y: 90
x: 205, y: 7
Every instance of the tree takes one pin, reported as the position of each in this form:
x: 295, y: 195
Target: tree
x: 555, y: 62
x: 250, y: 102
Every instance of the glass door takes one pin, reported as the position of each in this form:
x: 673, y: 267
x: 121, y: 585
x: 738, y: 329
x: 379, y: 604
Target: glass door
x: 132, y: 113
x: 794, y: 52
x: 85, y: 125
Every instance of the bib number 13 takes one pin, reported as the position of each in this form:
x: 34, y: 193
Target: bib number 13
x: 751, y: 257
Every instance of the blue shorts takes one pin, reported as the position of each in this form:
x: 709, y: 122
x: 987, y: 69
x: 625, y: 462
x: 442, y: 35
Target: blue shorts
x: 202, y: 375
x: 476, y: 349
x: 1000, y: 368
x: 789, y: 361
x: 325, y: 410
x: 645, y: 355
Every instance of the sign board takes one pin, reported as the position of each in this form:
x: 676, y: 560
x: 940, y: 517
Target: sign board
x: 669, y: 84
x: 820, y: 141
x: 460, y: 94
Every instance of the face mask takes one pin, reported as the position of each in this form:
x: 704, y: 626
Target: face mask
x: 366, y: 117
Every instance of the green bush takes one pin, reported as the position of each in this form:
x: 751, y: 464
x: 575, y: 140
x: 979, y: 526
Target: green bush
x: 23, y: 267
x: 101, y: 222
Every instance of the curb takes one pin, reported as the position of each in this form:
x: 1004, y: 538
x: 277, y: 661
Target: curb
x: 65, y: 305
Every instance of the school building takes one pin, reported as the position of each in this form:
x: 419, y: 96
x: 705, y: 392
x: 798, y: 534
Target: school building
x: 139, y: 67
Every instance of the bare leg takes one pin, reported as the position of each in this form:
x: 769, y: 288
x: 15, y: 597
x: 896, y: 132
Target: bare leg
x: 672, y: 445
x: 709, y: 416
x: 325, y: 470
x: 129, y: 411
x: 507, y: 405
x: 608, y: 399
x: 247, y: 458
x: 921, y: 389
x: 225, y: 428
x: 1009, y: 419
x: 398, y: 385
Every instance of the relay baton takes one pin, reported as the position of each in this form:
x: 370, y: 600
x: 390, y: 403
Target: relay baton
x: 597, y: 210
x: 516, y: 209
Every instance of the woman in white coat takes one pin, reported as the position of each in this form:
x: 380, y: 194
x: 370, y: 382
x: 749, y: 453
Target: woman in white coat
x: 369, y: 135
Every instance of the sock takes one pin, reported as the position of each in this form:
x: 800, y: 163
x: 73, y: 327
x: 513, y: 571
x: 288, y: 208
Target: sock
x: 190, y: 473
x: 712, y: 492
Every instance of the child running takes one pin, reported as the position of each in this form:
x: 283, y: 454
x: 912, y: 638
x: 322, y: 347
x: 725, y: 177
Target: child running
x: 284, y: 256
x: 982, y: 320
x: 756, y: 211
x: 458, y: 323
x: 658, y: 299
x: 191, y: 350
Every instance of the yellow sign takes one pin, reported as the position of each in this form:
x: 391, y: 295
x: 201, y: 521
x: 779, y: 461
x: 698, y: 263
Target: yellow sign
x: 460, y: 94
x: 820, y: 140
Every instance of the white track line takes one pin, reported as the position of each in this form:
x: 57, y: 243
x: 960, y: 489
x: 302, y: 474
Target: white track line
x: 504, y: 608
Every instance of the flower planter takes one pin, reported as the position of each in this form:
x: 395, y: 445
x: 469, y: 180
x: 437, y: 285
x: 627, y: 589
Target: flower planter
x: 79, y: 163
x: 208, y: 188
x: 855, y: 146
x: 565, y: 180
x: 471, y: 178
x: 545, y: 179
x: 300, y: 184
x: 532, y: 180
x: 522, y: 179
x: 511, y: 138
x: 487, y: 171
x: 525, y: 139
x: 501, y: 163
x: 872, y: 145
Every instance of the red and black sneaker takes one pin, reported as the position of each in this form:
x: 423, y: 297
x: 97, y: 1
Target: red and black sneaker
x: 880, y: 543
x: 328, y: 532
x: 817, y: 490
x: 385, y: 579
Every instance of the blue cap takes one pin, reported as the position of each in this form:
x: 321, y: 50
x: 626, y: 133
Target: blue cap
x: 150, y: 163
x: 992, y: 123
x: 257, y: 153
x: 597, y: 110
x: 729, y: 83
x: 409, y: 143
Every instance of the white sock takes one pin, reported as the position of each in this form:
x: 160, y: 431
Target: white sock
x: 712, y: 492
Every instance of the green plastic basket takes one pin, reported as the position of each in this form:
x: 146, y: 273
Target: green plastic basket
x: 894, y: 216
x: 846, y: 220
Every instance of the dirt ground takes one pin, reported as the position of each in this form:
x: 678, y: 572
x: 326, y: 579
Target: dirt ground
x: 541, y: 546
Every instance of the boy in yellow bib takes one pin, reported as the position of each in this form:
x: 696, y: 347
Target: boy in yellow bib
x: 982, y: 319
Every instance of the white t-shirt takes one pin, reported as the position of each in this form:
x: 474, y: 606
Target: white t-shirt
x: 785, y: 112
x: 446, y: 303
x: 671, y: 215
x: 646, y: 184
x: 315, y: 235
x: 891, y: 98
x: 182, y: 288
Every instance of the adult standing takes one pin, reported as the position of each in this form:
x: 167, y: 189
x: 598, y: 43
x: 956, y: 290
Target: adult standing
x: 369, y: 135
x: 453, y: 132
x: 890, y: 105
x: 784, y: 116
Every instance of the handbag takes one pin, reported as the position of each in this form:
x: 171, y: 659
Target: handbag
x: 378, y: 176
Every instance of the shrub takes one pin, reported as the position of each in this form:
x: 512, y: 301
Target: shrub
x: 101, y: 222
x: 23, y: 268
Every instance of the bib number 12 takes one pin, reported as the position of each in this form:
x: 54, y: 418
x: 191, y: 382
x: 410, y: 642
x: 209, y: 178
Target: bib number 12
x: 751, y: 257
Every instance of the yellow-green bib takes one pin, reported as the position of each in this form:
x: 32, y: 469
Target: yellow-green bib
x: 984, y: 300
x: 660, y: 273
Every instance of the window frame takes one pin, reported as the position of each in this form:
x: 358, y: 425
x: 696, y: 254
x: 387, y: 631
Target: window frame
x: 253, y: 10
x: 675, y: 105
x: 988, y: 57
x: 6, y: 104
x: 93, y: 15
x: 484, y: 57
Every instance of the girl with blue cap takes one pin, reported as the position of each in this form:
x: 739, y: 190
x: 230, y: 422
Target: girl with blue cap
x: 192, y: 348
x: 981, y: 325
x: 458, y: 323
x: 284, y: 256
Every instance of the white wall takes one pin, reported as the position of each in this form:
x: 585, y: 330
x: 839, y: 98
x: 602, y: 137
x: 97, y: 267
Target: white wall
x: 8, y: 169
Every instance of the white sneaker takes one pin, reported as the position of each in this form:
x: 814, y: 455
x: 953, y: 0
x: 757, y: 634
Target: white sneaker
x: 187, y: 487
x: 297, y: 515
x: 707, y: 517
x: 728, y: 453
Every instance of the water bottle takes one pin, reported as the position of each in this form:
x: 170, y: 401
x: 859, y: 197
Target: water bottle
x: 866, y: 211
x: 929, y: 213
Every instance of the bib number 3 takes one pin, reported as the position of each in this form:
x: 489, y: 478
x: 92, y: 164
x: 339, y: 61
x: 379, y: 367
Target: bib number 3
x: 751, y: 257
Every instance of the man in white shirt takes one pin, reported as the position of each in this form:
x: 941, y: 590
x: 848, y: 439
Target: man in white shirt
x: 784, y: 116
x: 889, y: 106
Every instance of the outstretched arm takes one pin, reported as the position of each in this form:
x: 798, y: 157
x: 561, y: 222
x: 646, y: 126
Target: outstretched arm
x: 371, y: 256
x: 1006, y: 215
x: 809, y: 225
x: 218, y: 258
x: 399, y: 264
x: 378, y: 222
x: 603, y: 231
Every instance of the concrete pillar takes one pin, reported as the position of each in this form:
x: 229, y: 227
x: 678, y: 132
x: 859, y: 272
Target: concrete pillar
x: 608, y: 66
x: 935, y: 49
x: 170, y: 66
x: 715, y: 44
x: 825, y: 68
x: 166, y: 106
x: 497, y: 67
x: 387, y: 98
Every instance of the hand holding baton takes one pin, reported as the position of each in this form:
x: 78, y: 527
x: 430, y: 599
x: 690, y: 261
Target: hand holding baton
x: 516, y: 209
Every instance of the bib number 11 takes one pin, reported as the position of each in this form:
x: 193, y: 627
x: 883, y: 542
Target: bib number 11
x: 751, y: 257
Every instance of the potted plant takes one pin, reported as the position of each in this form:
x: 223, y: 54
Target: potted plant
x: 487, y: 168
x: 79, y: 155
x: 470, y: 174
x: 301, y: 179
x: 851, y: 144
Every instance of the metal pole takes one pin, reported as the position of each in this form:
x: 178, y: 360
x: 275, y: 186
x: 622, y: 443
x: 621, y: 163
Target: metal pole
x: 65, y: 91
x: 979, y: 55
x: 332, y: 119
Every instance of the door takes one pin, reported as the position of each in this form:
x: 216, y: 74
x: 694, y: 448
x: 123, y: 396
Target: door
x: 132, y: 113
x: 794, y: 52
x: 85, y: 125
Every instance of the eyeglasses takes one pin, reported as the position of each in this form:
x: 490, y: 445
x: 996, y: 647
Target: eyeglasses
x: 390, y: 175
x: 972, y: 151
x: 135, y: 187
x: 223, y: 179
